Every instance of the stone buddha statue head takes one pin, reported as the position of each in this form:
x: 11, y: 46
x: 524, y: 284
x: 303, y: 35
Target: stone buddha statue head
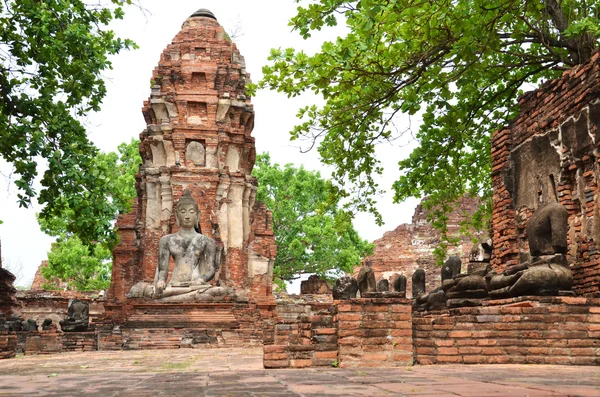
x: 187, y: 214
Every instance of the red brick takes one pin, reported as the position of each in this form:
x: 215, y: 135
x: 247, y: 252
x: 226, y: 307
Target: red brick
x: 449, y: 359
x: 274, y: 348
x: 300, y: 363
x: 325, y: 331
x: 459, y: 334
x: 329, y: 354
x: 349, y: 317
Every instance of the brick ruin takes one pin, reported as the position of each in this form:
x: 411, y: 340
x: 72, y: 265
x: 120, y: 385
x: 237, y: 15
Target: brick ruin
x: 8, y: 303
x: 198, y: 138
x: 315, y: 285
x: 39, y: 281
x: 410, y: 246
x: 550, y: 152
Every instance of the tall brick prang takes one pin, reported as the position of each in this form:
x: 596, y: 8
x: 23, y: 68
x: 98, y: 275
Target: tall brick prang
x: 198, y: 138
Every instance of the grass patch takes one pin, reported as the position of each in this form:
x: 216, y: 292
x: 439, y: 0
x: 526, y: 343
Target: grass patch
x: 176, y: 366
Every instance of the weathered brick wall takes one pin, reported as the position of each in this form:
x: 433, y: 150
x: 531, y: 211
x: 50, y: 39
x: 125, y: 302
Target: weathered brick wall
x: 8, y: 344
x: 8, y: 301
x: 361, y: 332
x: 308, y: 339
x: 410, y: 246
x: 262, y: 245
x: 526, y: 330
x: 550, y: 151
x: 52, y: 341
x: 40, y: 305
x: 375, y: 332
x: 142, y: 326
x: 126, y: 267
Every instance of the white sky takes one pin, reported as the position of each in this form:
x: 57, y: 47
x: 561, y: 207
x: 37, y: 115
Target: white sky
x: 264, y: 24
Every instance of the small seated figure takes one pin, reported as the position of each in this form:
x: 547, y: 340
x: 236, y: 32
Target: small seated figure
x: 433, y: 300
x: 29, y: 325
x: 345, y: 288
x: 366, y: 280
x: 547, y: 272
x: 383, y: 285
x: 48, y: 325
x: 398, y: 283
x: 195, y: 257
x: 78, y: 317
x: 466, y: 289
x: 418, y: 283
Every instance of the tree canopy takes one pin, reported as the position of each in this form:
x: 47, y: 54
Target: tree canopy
x: 51, y: 59
x: 81, y: 267
x: 112, y: 194
x: 84, y: 262
x: 459, y: 64
x: 313, y: 234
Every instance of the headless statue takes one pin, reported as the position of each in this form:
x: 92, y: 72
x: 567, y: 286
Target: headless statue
x: 547, y: 272
x: 195, y: 257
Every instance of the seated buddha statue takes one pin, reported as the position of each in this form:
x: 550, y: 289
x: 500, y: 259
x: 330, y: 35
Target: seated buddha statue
x: 195, y: 257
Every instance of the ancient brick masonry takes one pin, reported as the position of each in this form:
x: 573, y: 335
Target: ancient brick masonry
x: 8, y: 303
x: 373, y: 332
x: 198, y: 137
x: 410, y: 246
x: 526, y: 330
x: 550, y: 151
x: 385, y: 332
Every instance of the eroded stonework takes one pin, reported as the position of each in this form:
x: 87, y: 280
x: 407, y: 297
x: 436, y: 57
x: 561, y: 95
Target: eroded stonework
x: 549, y: 153
x: 198, y: 138
x: 410, y: 246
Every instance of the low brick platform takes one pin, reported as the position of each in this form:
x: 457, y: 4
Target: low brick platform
x: 374, y: 332
x: 8, y: 344
x: 525, y: 330
x: 143, y: 326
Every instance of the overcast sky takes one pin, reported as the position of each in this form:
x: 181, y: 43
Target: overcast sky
x: 264, y: 25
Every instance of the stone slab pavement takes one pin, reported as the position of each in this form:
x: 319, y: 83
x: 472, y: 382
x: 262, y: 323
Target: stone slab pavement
x: 236, y: 372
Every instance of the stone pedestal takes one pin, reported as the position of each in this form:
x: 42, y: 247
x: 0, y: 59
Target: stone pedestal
x: 142, y: 325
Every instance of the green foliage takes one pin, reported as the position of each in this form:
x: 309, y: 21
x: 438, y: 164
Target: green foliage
x: 112, y: 194
x: 461, y: 64
x: 83, y: 268
x: 313, y: 235
x: 54, y: 53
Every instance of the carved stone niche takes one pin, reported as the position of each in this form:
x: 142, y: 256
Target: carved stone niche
x: 195, y: 154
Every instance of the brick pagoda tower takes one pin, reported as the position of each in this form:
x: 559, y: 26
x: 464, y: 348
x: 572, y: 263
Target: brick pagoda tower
x: 198, y: 137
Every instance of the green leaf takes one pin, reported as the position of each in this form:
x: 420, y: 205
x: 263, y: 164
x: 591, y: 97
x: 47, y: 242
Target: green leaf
x: 459, y: 64
x: 312, y: 233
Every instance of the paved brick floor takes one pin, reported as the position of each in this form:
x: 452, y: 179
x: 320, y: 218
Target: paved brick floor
x: 239, y: 372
